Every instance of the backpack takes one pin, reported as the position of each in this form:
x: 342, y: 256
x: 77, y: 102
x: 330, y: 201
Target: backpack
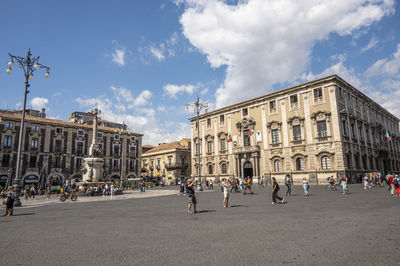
x: 395, y: 181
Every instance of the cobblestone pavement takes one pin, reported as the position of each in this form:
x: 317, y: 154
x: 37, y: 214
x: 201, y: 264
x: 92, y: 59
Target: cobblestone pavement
x: 327, y: 228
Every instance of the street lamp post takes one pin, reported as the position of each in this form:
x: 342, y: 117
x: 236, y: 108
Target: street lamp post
x: 28, y: 65
x: 196, y: 107
x: 121, y: 183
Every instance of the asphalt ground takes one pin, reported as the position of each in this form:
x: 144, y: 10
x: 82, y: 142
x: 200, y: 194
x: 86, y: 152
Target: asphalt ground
x: 326, y: 228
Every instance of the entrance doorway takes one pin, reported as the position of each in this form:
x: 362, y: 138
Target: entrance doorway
x: 248, y: 169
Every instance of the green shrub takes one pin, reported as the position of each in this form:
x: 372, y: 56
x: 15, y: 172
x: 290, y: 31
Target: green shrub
x: 149, y: 184
x: 55, y: 189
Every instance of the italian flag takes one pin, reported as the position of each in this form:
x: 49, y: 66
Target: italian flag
x: 229, y: 138
x: 388, y: 136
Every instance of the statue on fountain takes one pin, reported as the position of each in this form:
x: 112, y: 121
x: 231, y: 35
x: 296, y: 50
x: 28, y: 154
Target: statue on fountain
x: 94, y: 163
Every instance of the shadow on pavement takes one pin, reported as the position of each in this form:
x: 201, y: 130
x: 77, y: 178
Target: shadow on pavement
x: 204, y: 211
x: 235, y: 206
x: 22, y: 214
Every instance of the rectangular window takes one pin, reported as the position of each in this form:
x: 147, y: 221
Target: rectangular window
x: 245, y: 112
x: 79, y: 147
x: 223, y: 144
x: 78, y: 163
x: 209, y: 146
x: 221, y: 119
x: 198, y: 150
x: 115, y: 164
x: 116, y: 150
x: 7, y: 141
x: 116, y: 136
x: 169, y: 161
x: 58, y: 146
x: 275, y: 136
x: 321, y: 127
x: 246, y: 138
x: 296, y: 132
x: 209, y: 123
x: 353, y: 132
x: 361, y: 133
x: 131, y: 165
x: 34, y: 144
x: 35, y: 128
x: 80, y: 132
x: 57, y: 162
x: 294, y: 102
x: 9, y: 125
x: 59, y: 130
x: 344, y: 125
x: 318, y: 95
x: 6, y: 160
x: 158, y: 163
x: 32, y: 162
x: 272, y: 106
x: 100, y: 135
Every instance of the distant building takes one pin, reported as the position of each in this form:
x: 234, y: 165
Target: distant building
x: 59, y: 147
x: 167, y: 161
x: 317, y: 129
x: 87, y: 119
x: 146, y: 148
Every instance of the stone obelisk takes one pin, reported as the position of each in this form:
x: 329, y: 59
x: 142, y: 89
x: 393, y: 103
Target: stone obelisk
x: 94, y: 164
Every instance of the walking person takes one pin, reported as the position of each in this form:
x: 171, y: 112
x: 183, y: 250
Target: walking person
x: 48, y: 191
x: 275, y: 189
x: 306, y: 187
x: 390, y: 177
x: 260, y: 183
x: 345, y: 187
x: 396, y: 183
x: 288, y: 184
x: 226, y: 186
x: 211, y: 184
x: 190, y: 193
x: 10, y: 196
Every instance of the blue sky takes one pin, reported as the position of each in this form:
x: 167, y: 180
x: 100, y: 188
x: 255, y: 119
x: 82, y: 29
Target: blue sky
x: 142, y: 61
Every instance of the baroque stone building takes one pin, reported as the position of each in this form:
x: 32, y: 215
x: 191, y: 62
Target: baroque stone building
x: 56, y: 149
x: 167, y: 161
x: 318, y: 129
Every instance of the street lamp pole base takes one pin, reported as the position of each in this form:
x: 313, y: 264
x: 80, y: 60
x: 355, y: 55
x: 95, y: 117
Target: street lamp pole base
x: 17, y: 202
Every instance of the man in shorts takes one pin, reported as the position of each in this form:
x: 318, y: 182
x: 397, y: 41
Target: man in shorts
x: 190, y: 193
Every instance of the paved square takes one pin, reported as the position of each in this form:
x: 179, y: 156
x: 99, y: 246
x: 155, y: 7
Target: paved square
x: 327, y: 228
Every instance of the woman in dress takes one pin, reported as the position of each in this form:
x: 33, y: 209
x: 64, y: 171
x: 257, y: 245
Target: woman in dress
x: 305, y: 186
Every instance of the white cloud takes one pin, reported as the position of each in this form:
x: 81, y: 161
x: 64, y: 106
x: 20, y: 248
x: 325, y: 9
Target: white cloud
x: 118, y: 56
x: 158, y: 53
x: 172, y: 90
x: 263, y: 43
x: 163, y: 50
x: 386, y: 66
x: 38, y: 103
x: 124, y: 96
x: 142, y: 120
x: 372, y: 43
x: 143, y: 98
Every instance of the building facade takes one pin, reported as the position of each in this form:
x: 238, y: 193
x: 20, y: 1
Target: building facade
x: 55, y: 149
x: 168, y: 161
x: 315, y: 130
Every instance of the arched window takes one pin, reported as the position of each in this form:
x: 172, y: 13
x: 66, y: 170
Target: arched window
x: 299, y: 164
x: 326, y: 162
x: 210, y: 170
x: 277, y: 165
x: 223, y: 168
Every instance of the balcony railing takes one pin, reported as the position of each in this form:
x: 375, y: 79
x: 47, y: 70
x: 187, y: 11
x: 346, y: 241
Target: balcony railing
x: 298, y: 142
x: 176, y: 166
x: 247, y: 149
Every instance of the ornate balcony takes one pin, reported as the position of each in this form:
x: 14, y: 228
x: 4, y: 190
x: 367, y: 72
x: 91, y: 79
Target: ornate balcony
x: 247, y: 149
x: 173, y: 166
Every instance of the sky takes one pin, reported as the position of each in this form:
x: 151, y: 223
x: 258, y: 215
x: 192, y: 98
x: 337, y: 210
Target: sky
x: 141, y: 62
